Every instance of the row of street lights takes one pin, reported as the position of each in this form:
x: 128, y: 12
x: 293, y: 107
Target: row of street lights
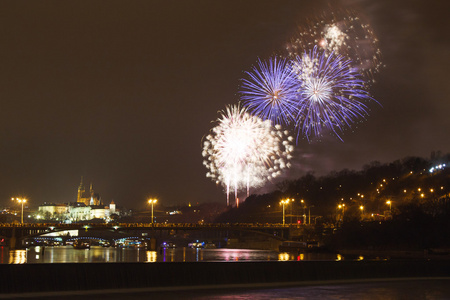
x: 361, y: 207
x: 23, y: 201
x: 285, y: 202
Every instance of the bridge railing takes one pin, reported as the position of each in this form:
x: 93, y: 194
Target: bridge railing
x: 145, y: 225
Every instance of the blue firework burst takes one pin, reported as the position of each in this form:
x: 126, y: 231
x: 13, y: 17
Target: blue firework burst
x: 332, y: 94
x: 271, y: 91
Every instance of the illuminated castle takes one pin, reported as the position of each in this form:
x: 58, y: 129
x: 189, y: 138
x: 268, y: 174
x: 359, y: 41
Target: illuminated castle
x: 87, y: 198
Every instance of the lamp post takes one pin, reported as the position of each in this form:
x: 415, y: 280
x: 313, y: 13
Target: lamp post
x: 309, y: 214
x: 304, y: 215
x: 342, y: 206
x: 362, y: 211
x: 152, y: 202
x: 290, y: 221
x: 22, y: 201
x: 284, y: 202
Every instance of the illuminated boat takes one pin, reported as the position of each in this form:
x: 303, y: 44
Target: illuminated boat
x: 81, y: 244
x: 297, y: 246
x: 168, y: 245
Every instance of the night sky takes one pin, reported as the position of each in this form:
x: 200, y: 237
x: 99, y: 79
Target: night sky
x: 122, y: 92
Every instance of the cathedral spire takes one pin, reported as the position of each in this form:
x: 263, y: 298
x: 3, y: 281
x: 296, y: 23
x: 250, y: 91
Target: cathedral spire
x: 80, y: 191
x: 91, y: 189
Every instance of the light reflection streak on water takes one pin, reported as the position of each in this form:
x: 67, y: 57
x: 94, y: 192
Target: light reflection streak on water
x: 151, y: 256
x: 18, y: 257
x: 197, y: 250
x: 283, y: 256
x: 3, y: 254
x: 67, y: 254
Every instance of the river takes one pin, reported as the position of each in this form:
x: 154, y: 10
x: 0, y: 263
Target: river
x: 96, y: 254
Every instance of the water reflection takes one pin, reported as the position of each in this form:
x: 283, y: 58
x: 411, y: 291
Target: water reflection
x: 18, y: 257
x: 151, y: 256
x: 283, y: 256
x: 68, y: 254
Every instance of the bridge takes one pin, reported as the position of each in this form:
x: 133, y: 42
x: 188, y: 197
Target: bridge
x: 15, y: 234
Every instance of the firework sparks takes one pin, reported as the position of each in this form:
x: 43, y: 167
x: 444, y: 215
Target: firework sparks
x: 271, y: 91
x: 341, y: 33
x: 245, y: 151
x: 332, y: 93
x: 333, y: 39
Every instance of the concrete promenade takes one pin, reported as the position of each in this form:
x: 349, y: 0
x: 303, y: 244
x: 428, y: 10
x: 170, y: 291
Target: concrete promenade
x: 103, y: 277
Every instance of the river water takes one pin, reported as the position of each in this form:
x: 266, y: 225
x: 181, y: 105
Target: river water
x: 97, y: 254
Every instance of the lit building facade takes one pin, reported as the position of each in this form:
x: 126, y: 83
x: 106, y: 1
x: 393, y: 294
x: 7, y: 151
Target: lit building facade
x: 51, y: 210
x: 87, y: 207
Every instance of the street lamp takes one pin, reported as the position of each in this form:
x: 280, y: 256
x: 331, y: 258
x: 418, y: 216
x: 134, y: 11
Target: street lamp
x: 309, y: 214
x: 284, y: 202
x: 389, y: 203
x: 22, y: 201
x: 304, y: 215
x: 342, y: 206
x: 362, y: 211
x: 152, y: 202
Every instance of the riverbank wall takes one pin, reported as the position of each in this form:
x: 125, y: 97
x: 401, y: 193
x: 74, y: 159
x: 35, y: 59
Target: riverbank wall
x: 34, y: 278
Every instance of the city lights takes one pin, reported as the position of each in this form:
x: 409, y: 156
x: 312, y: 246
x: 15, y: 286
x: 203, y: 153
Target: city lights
x: 436, y: 168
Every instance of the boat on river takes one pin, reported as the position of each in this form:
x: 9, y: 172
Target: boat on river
x: 297, y: 246
x: 81, y: 244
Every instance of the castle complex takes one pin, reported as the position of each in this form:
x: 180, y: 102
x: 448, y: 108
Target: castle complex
x: 88, y: 206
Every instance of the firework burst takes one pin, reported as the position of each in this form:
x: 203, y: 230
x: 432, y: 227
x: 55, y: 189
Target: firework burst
x: 271, y: 91
x: 342, y: 33
x: 332, y: 93
x: 244, y: 150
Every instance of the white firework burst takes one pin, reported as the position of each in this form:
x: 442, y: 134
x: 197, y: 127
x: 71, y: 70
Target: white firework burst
x: 244, y: 151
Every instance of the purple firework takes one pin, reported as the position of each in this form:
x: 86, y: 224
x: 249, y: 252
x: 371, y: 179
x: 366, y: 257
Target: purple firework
x: 332, y: 93
x: 271, y: 92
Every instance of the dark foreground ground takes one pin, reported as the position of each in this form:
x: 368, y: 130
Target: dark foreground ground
x: 408, y: 289
x: 226, y: 280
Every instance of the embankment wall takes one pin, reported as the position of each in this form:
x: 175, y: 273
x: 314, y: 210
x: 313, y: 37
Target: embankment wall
x: 28, y: 278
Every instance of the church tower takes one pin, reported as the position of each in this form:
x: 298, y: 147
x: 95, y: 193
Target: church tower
x: 88, y: 198
x: 80, y: 191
